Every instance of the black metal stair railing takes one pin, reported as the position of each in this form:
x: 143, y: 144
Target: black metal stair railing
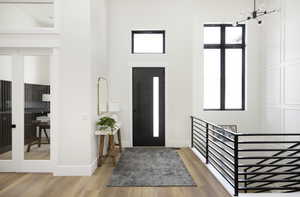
x: 246, y: 162
x: 267, y: 180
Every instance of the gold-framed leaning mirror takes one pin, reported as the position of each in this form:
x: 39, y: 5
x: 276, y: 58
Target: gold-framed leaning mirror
x: 102, y: 94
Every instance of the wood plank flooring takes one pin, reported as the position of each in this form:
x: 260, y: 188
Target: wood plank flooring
x: 36, y: 153
x: 46, y: 185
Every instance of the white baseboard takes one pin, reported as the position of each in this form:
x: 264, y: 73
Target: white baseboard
x: 76, y: 170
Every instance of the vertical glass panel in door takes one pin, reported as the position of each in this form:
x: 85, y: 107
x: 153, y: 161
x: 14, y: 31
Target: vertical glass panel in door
x: 5, y: 107
x: 37, y: 97
x: 26, y: 15
x: 155, y: 106
x: 233, y: 97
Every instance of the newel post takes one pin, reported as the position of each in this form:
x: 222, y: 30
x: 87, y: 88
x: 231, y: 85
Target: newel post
x: 236, y: 165
x: 207, y: 145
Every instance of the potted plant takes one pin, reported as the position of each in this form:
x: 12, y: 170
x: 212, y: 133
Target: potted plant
x: 106, y: 123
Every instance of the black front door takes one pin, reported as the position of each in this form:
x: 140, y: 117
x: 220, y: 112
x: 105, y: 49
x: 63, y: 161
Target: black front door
x: 148, y: 106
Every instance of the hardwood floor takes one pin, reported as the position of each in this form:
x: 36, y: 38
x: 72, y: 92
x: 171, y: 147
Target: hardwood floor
x: 36, y: 153
x: 46, y: 185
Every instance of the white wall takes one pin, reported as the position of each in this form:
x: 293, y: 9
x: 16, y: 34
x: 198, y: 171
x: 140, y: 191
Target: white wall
x: 36, y: 69
x: 5, y: 67
x: 74, y: 142
x: 26, y: 15
x: 82, y: 60
x: 12, y: 16
x: 249, y: 120
x: 183, y: 22
x: 281, y: 68
x: 99, y: 59
x: 79, y: 57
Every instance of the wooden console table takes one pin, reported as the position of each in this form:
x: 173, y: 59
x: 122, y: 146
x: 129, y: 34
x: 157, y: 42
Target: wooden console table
x: 111, y: 144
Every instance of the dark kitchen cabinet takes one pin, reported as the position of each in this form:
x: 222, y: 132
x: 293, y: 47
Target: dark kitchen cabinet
x: 34, y: 107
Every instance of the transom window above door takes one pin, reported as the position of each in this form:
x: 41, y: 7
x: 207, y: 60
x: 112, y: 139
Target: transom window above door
x: 148, y: 42
x: 224, y: 67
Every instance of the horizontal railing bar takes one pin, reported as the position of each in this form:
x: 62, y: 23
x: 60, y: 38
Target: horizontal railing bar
x: 268, y: 134
x: 221, y: 142
x: 202, y: 130
x: 227, y: 166
x: 203, y: 146
x: 268, y: 173
x: 267, y: 150
x: 268, y: 178
x: 200, y: 149
x: 291, y: 177
x: 269, y: 165
x: 200, y: 134
x: 232, y: 133
x: 204, y: 126
x: 268, y: 188
x: 269, y: 157
x: 197, y: 131
x: 291, y: 184
x: 221, y: 134
x: 220, y: 147
x: 276, y: 168
x: 276, y: 161
x: 226, y: 171
x: 229, y: 181
x: 268, y: 142
x: 199, y: 144
x: 200, y: 137
x: 222, y: 155
x: 213, y: 163
x: 271, y: 181
x: 283, y: 186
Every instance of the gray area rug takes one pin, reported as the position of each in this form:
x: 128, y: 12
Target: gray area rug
x: 150, y: 167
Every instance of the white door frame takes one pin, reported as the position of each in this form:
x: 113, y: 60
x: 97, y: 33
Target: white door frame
x: 18, y: 164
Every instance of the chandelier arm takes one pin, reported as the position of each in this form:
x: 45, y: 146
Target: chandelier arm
x: 266, y: 13
x: 243, y: 20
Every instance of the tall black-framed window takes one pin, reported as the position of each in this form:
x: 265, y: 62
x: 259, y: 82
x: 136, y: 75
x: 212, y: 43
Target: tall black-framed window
x: 148, y: 42
x: 224, y: 67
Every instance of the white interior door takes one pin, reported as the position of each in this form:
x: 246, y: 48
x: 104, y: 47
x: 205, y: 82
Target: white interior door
x: 8, y: 118
x: 25, y: 111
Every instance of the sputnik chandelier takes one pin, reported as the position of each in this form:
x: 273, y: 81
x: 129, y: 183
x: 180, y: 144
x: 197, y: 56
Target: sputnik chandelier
x: 256, y: 14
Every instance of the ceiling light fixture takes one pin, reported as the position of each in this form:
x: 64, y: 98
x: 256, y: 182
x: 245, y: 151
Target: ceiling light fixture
x: 256, y: 14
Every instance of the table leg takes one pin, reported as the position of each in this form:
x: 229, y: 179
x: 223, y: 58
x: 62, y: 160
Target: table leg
x: 40, y: 137
x: 119, y: 140
x: 28, y: 147
x: 48, y: 139
x: 101, y: 147
x: 112, y: 149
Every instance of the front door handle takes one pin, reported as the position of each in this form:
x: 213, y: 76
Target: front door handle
x: 13, y: 126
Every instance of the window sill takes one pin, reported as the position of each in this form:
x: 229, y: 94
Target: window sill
x: 225, y: 110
